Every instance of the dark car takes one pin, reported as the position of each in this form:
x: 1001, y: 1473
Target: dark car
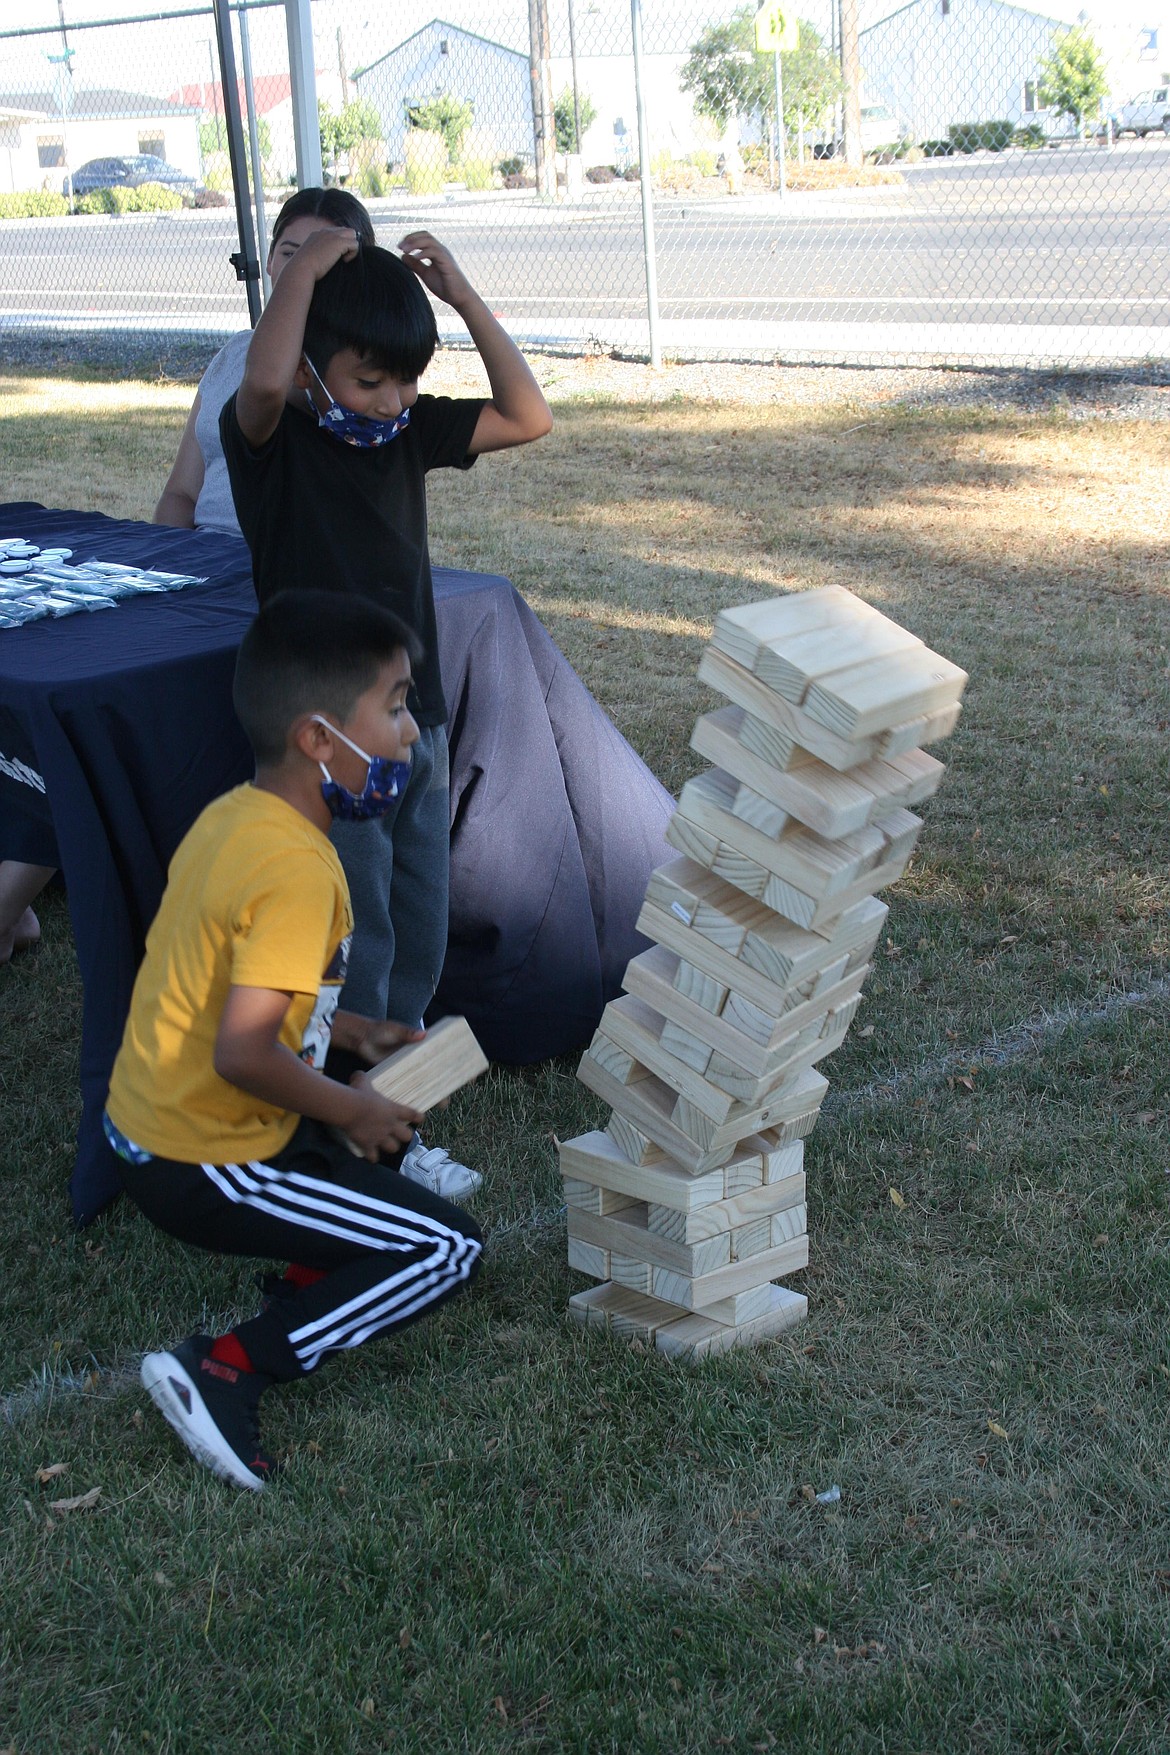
x: 128, y: 173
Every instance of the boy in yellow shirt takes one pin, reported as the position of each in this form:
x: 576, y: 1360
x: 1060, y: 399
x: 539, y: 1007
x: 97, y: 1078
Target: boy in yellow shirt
x: 219, y: 1108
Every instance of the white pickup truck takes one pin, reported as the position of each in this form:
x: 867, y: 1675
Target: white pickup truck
x: 1147, y: 113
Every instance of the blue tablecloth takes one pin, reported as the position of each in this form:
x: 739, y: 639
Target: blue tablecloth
x: 116, y: 728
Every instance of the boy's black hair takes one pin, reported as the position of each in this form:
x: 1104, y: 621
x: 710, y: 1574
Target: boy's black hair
x: 334, y: 206
x: 375, y: 305
x: 311, y: 652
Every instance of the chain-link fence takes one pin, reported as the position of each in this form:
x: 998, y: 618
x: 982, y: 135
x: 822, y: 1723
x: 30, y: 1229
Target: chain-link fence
x: 957, y: 180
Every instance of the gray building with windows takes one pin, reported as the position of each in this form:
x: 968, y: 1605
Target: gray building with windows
x: 443, y: 60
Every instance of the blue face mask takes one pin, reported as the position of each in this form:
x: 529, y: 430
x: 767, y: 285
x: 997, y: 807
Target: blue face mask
x: 350, y: 427
x: 385, y: 781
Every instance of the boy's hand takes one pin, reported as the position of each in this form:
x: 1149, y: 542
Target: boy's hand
x: 436, y: 268
x: 376, y: 1125
x: 371, y: 1038
x: 382, y: 1039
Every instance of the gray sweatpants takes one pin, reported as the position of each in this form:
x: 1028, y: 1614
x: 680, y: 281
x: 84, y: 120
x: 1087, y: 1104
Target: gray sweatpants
x: 397, y: 868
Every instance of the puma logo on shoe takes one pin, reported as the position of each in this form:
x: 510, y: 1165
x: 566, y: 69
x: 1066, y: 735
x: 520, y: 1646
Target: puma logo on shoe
x: 216, y: 1368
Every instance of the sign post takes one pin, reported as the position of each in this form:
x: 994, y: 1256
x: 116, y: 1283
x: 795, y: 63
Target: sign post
x: 778, y: 30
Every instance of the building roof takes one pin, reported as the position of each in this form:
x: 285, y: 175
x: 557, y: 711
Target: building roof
x: 92, y: 103
x: 269, y: 90
x: 454, y: 30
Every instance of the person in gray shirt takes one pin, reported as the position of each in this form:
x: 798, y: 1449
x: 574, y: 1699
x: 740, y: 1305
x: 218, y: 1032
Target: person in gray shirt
x: 197, y: 495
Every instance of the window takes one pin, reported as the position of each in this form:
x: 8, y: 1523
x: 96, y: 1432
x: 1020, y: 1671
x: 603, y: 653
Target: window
x: 51, y: 151
x: 944, y: 7
x: 1031, y: 97
x: 444, y: 46
x: 153, y: 144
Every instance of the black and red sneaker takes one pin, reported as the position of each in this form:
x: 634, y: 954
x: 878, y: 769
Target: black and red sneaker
x: 214, y: 1409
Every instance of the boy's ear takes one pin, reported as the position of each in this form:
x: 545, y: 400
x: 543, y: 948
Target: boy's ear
x: 312, y: 739
x: 303, y: 377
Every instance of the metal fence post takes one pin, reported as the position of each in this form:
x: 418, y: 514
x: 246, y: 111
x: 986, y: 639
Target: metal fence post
x: 254, y: 145
x: 244, y: 260
x: 306, y: 123
x: 648, y: 251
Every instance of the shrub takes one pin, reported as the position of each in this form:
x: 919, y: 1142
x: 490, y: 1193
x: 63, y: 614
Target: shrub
x: 447, y: 116
x: 477, y: 159
x: 938, y: 149
x: 1031, y: 135
x: 426, y: 161
x: 704, y: 161
x: 210, y: 198
x: 511, y: 167
x: 154, y: 198
x: 601, y: 174
x: 970, y: 136
x: 32, y: 204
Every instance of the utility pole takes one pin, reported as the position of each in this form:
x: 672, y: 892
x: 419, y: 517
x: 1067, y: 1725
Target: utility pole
x: 851, y: 75
x: 342, y: 74
x: 543, y: 124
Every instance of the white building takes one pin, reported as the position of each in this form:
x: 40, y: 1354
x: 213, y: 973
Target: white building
x: 38, y: 141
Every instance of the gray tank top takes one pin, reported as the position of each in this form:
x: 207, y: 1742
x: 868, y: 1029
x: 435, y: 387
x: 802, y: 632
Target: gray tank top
x: 214, y: 509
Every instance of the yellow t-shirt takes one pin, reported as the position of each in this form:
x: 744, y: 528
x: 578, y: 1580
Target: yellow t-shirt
x: 255, y: 897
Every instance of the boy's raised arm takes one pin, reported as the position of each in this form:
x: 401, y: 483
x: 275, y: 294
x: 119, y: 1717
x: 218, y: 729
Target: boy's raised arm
x: 274, y: 352
x: 517, y: 411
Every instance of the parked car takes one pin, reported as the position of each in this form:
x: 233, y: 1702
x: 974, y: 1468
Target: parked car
x: 129, y: 173
x: 1147, y: 113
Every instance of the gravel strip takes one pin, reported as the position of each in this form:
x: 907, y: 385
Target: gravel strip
x: 1130, y: 393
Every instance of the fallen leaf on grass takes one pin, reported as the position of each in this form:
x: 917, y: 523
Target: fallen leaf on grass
x: 367, y: 1706
x: 995, y: 1429
x: 499, y: 1708
x: 51, y: 1472
x: 898, y: 1198
x: 83, y: 1502
x: 866, y: 1030
x: 404, y: 1639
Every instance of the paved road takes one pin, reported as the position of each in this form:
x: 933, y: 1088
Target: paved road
x: 1076, y: 236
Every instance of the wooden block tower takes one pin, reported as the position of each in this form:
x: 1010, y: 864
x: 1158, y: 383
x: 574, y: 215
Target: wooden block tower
x: 691, y: 1204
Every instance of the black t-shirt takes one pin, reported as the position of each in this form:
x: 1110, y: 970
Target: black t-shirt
x: 328, y: 516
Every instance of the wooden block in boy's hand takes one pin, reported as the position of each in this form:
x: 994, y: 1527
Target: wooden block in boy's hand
x: 423, y: 1073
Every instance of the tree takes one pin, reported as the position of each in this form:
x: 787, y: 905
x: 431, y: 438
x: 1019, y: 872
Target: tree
x: 1073, y: 79
x: 730, y: 78
x: 566, y: 121
x: 343, y: 129
x: 446, y: 115
x: 213, y: 135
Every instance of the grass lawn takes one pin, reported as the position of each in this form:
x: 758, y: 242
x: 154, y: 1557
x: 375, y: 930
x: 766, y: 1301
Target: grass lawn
x: 501, y: 1533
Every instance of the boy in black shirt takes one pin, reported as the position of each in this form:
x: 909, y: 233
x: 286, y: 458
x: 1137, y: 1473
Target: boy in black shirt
x: 328, y: 443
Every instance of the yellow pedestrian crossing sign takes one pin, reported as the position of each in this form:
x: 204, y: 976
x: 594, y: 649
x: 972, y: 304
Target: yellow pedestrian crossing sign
x: 777, y: 28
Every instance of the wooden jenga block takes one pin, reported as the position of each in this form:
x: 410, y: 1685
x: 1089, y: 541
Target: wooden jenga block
x: 832, y: 803
x: 587, y: 1259
x: 648, y: 976
x: 885, y: 692
x: 424, y: 1073
x: 773, y: 746
x: 619, y: 1064
x: 628, y: 1235
x: 637, y: 1276
x: 808, y: 861
x: 755, y: 1203
x: 684, y: 1335
x: 631, y: 1143
x: 649, y: 1105
x: 789, y: 1222
x: 914, y: 733
x: 592, y: 1198
x: 757, y: 811
x: 775, y: 956
x: 693, y: 984
x: 698, y: 844
x: 701, y: 901
x: 703, y: 1289
x: 741, y: 1306
x: 748, y: 630
x: 790, y: 667
x: 595, y: 1157
x: 767, y: 708
x: 751, y: 1239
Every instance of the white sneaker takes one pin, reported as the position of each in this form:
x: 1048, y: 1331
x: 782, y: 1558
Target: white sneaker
x: 434, y: 1168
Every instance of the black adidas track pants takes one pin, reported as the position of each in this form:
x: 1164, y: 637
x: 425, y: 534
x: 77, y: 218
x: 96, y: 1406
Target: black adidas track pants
x: 391, y: 1251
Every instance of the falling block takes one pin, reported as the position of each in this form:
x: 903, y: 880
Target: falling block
x: 876, y: 695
